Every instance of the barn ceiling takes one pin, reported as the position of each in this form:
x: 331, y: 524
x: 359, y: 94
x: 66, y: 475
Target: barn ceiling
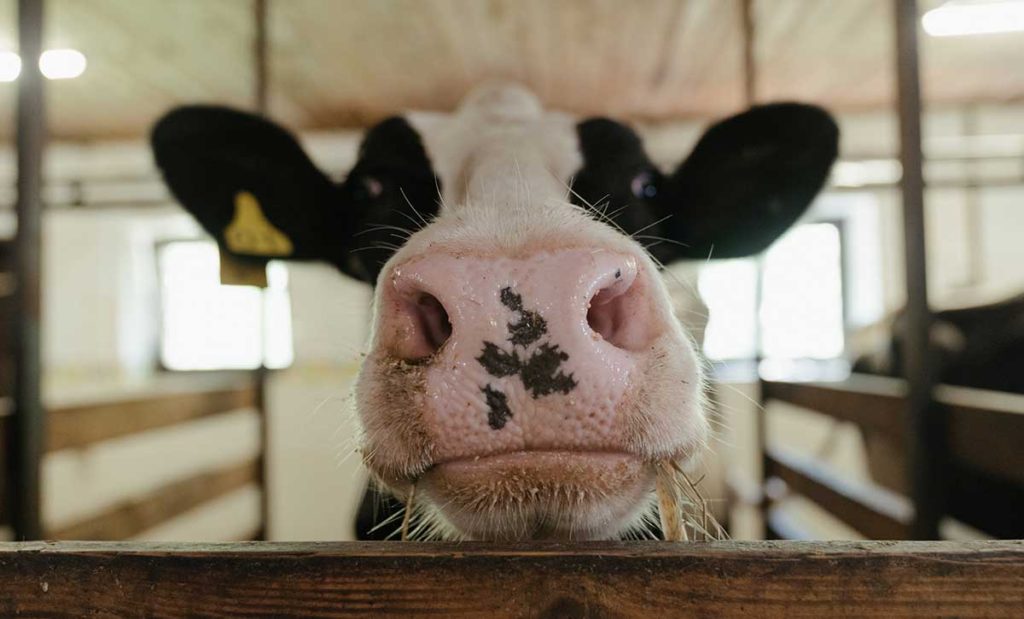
x: 349, y: 62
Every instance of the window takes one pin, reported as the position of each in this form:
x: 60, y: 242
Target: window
x: 207, y: 326
x: 802, y: 295
x: 801, y: 312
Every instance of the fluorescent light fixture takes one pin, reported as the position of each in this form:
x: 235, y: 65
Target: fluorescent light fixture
x: 10, y: 66
x: 960, y: 18
x: 62, y: 64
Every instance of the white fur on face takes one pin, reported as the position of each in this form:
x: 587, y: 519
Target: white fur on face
x: 505, y: 165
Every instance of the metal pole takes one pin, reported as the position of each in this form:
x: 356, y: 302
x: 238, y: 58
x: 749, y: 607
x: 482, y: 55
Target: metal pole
x: 28, y: 422
x: 260, y: 74
x: 749, y: 64
x: 974, y: 233
x: 925, y: 435
x: 260, y: 51
x: 747, y: 29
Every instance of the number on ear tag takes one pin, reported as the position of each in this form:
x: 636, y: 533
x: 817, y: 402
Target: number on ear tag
x: 250, y: 233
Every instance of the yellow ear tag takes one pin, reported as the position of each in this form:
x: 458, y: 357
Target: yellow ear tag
x: 251, y: 234
x: 234, y: 272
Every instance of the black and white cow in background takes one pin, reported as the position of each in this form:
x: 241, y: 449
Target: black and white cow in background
x: 980, y: 346
x: 525, y: 370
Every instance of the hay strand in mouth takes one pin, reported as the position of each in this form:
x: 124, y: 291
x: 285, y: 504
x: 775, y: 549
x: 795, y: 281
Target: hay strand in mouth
x: 407, y: 517
x: 707, y: 528
x: 681, y: 504
x: 669, y: 510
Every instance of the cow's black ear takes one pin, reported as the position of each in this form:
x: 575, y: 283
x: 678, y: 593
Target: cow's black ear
x: 250, y: 185
x: 391, y: 192
x: 618, y: 181
x: 748, y: 179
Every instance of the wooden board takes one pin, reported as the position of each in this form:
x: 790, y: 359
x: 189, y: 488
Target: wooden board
x: 614, y: 579
x: 82, y: 425
x: 134, y: 516
x: 871, y: 510
x: 872, y: 402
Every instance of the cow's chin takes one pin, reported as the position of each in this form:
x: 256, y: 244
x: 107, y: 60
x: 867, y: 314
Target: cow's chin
x: 525, y: 495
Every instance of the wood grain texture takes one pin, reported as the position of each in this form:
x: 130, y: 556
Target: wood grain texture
x: 134, y: 516
x: 82, y: 425
x: 639, y: 579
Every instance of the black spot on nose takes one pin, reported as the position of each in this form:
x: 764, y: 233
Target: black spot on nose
x: 540, y: 371
x: 498, y: 412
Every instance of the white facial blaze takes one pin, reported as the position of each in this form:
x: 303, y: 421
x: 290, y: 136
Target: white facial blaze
x: 571, y: 464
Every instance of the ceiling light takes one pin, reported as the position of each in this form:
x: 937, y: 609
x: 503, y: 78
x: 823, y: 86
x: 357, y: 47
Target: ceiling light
x: 10, y: 66
x: 959, y: 18
x: 62, y: 64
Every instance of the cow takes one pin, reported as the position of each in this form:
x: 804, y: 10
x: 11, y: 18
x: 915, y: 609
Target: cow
x: 525, y: 374
x: 980, y: 346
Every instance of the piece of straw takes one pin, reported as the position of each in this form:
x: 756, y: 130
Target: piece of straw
x: 669, y: 509
x: 694, y: 496
x: 407, y: 517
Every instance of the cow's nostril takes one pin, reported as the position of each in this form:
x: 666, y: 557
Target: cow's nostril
x: 619, y: 314
x: 433, y: 322
x: 427, y: 326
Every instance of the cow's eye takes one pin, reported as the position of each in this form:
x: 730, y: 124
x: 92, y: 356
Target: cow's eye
x: 368, y: 188
x: 643, y: 186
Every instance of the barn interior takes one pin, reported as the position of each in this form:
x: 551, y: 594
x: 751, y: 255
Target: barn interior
x: 148, y: 394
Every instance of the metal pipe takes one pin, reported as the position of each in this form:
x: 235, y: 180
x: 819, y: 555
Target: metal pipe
x: 28, y: 421
x: 260, y: 72
x: 749, y: 64
x: 924, y: 436
x: 260, y: 51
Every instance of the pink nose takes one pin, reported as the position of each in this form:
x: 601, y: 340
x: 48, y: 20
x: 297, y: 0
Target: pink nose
x: 522, y: 353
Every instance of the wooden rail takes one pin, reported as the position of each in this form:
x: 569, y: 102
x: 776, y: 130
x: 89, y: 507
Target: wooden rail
x: 872, y: 402
x: 624, y: 579
x: 984, y: 475
x: 83, y: 425
x: 132, y: 517
x: 871, y: 510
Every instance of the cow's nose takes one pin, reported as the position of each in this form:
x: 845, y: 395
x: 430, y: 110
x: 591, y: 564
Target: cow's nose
x: 579, y: 300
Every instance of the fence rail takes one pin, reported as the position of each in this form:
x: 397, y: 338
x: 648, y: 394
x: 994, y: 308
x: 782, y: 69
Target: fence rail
x: 624, y: 579
x: 984, y: 474
x: 84, y: 425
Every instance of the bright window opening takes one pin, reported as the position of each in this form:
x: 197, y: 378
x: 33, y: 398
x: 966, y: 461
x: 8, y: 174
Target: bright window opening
x: 729, y: 289
x: 801, y: 313
x: 207, y: 326
x: 802, y: 295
